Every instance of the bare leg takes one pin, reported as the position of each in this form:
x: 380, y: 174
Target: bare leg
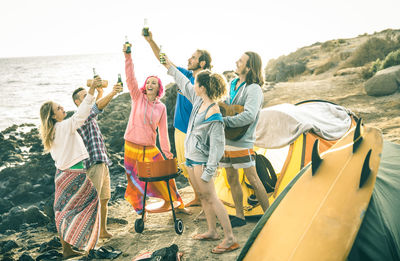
x: 236, y: 190
x: 258, y: 187
x: 68, y: 252
x: 213, y: 208
x: 196, y: 201
x: 103, y: 219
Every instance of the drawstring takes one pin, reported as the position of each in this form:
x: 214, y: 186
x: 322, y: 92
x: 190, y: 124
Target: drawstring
x: 151, y: 115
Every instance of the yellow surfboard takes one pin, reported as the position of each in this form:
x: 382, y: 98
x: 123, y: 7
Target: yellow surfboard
x: 318, y: 217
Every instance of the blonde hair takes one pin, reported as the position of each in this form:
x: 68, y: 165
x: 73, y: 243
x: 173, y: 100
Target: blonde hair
x: 214, y: 83
x: 47, y: 125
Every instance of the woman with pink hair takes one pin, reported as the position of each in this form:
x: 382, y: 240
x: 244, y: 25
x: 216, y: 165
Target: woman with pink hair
x: 147, y: 114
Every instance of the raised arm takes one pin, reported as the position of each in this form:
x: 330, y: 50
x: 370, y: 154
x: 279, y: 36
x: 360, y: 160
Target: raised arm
x: 184, y: 84
x: 163, y: 131
x: 153, y: 45
x: 103, y: 102
x: 79, y: 118
x: 131, y: 81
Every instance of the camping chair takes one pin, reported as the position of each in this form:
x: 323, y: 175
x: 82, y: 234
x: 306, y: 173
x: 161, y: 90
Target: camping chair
x: 162, y: 170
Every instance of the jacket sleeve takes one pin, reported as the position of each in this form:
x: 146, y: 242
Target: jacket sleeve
x: 163, y: 131
x: 252, y: 105
x: 131, y: 78
x: 217, y: 147
x: 184, y: 84
x: 79, y: 118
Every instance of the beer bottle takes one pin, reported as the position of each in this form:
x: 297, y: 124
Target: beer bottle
x: 94, y: 73
x: 162, y: 56
x: 145, y: 28
x: 128, y: 45
x: 104, y: 83
x: 120, y: 80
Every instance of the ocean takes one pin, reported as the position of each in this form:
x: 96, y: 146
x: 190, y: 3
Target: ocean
x: 27, y: 82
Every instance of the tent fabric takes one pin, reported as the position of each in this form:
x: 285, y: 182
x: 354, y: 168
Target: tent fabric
x: 282, y: 124
x: 379, y: 234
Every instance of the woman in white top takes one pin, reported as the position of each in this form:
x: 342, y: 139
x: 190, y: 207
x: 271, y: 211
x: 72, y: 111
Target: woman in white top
x: 76, y: 201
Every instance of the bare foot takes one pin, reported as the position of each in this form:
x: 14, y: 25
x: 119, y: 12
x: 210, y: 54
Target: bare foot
x: 105, y: 234
x: 208, y: 236
x: 194, y: 203
x: 184, y: 211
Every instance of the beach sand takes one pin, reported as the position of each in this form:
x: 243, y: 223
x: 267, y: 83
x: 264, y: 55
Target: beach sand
x: 381, y: 112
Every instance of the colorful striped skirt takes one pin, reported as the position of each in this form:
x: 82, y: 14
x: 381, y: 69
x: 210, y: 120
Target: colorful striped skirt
x: 76, y: 209
x: 135, y: 190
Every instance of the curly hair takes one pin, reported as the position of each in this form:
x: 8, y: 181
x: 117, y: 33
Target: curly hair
x: 254, y: 63
x: 47, y: 125
x: 214, y: 83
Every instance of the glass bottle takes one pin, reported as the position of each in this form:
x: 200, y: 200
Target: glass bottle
x: 128, y: 45
x: 145, y: 28
x: 162, y: 56
x: 120, y: 80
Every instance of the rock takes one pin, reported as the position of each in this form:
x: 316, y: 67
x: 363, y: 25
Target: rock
x: 384, y: 82
x: 5, y: 205
x: 7, y: 257
x: 25, y: 257
x: 48, y: 207
x: 54, y: 243
x: 50, y: 255
x: 7, y: 246
x: 17, y: 217
x: 118, y: 193
x: 34, y: 215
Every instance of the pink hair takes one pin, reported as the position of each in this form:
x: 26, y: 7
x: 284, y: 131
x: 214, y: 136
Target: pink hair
x: 160, y: 90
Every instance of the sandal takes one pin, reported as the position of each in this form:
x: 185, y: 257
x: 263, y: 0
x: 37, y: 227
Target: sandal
x: 220, y: 250
x: 104, y: 252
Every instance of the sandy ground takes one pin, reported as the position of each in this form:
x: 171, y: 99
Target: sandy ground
x: 380, y: 112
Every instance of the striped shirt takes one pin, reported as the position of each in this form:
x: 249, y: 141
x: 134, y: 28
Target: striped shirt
x: 93, y: 139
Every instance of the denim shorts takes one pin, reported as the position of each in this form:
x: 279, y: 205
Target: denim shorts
x: 190, y: 163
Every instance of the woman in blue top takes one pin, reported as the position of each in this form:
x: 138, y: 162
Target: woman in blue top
x: 204, y: 147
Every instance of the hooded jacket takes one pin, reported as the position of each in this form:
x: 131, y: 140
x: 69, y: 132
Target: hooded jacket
x: 146, y: 116
x: 251, y: 97
x: 204, y: 142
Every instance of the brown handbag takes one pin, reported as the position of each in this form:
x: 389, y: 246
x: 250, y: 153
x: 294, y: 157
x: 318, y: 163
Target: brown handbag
x: 232, y: 110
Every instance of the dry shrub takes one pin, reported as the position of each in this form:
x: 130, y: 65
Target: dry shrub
x: 374, y: 48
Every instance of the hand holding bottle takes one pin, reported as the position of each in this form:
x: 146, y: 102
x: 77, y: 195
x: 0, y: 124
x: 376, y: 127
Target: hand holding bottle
x: 148, y: 37
x: 117, y: 88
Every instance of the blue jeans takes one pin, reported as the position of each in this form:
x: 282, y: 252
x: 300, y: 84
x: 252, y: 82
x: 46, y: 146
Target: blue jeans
x: 190, y: 163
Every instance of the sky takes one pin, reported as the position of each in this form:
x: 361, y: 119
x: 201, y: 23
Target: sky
x: 225, y: 28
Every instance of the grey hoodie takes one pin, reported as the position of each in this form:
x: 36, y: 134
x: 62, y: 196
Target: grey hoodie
x: 251, y: 97
x: 204, y: 141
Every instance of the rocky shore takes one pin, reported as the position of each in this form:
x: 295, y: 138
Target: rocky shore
x: 27, y: 175
x: 27, y: 229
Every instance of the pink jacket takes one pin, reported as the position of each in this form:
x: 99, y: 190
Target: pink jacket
x: 145, y: 115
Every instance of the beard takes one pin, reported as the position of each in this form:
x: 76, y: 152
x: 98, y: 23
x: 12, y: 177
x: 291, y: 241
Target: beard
x: 194, y: 68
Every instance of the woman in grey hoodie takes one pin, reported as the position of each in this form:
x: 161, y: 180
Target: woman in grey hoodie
x: 204, y: 147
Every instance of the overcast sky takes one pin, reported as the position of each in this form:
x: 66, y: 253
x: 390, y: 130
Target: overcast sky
x: 225, y: 28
